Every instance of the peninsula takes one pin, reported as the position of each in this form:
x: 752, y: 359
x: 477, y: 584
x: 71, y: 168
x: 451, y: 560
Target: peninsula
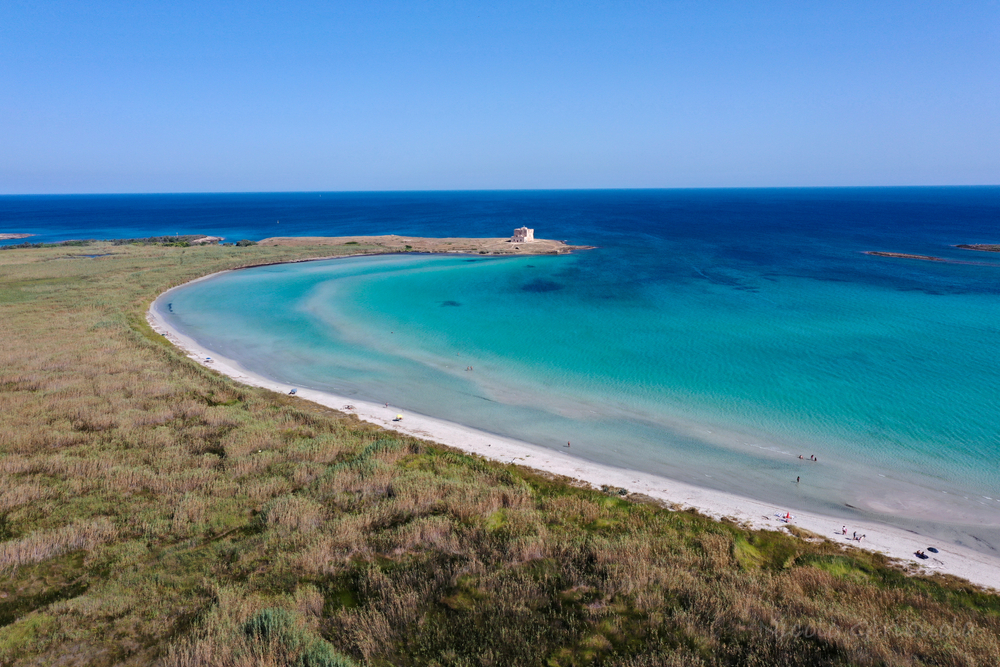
x: 159, y: 508
x: 393, y: 243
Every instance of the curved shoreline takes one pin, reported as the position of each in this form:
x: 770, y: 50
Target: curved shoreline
x: 891, y: 541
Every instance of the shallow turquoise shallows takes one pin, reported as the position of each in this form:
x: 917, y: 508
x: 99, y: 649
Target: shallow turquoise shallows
x: 669, y: 357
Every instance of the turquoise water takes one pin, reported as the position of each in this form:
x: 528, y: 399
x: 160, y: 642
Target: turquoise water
x: 714, y: 366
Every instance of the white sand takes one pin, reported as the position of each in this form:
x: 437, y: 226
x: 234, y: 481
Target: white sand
x: 897, y: 543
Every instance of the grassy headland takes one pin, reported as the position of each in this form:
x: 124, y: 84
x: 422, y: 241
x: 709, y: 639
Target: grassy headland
x: 154, y: 512
x: 392, y: 243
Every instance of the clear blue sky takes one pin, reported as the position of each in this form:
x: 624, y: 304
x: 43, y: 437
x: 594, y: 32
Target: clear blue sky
x: 181, y: 96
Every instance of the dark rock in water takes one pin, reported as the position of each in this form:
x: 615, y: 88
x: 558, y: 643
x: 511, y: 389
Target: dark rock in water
x: 903, y: 255
x: 450, y: 303
x: 541, y: 286
x: 985, y: 247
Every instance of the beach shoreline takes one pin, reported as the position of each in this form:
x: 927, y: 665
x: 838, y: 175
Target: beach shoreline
x: 897, y: 543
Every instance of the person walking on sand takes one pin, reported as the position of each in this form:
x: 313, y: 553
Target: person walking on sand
x: 797, y: 479
x: 843, y: 531
x: 855, y: 536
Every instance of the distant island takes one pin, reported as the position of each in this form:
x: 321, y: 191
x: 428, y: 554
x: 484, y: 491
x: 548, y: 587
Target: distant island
x: 7, y: 237
x: 903, y: 255
x: 983, y: 247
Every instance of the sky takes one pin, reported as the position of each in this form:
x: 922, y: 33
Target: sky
x: 104, y: 97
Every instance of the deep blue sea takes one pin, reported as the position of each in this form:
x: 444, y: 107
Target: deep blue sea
x: 712, y: 335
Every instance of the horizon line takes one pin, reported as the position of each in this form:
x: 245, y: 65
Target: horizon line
x: 471, y: 190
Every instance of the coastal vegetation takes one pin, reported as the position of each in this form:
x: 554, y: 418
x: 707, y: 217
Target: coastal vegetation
x: 178, y: 241
x: 155, y: 512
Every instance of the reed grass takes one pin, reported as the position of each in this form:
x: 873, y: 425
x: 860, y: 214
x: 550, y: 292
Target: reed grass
x: 154, y: 512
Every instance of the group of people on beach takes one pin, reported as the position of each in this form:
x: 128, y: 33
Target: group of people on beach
x: 855, y: 537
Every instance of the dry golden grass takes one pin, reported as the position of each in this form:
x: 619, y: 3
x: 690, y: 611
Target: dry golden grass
x: 44, y: 544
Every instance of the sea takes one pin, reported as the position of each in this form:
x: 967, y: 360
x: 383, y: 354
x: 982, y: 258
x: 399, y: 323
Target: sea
x: 712, y: 336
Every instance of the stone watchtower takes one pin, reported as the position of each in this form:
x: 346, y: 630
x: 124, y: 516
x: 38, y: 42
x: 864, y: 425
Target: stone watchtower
x: 523, y: 235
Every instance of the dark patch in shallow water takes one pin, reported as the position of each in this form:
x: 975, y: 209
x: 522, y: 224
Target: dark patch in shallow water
x: 541, y: 286
x: 450, y: 303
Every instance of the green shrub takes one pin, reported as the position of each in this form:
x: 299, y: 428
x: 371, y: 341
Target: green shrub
x: 278, y: 630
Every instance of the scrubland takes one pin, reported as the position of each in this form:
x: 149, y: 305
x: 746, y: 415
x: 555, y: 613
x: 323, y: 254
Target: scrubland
x: 153, y: 512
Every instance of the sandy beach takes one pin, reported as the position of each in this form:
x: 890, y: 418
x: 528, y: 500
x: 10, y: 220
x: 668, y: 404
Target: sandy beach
x: 978, y: 568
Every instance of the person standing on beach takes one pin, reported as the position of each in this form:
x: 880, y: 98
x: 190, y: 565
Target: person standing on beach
x: 797, y: 479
